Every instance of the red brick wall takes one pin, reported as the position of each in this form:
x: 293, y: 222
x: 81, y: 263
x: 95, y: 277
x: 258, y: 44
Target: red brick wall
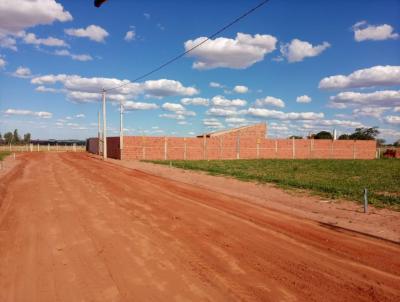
x: 232, y: 147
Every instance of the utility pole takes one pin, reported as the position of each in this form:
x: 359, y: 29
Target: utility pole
x: 104, y: 126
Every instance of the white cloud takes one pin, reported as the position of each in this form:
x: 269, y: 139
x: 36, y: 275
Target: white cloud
x: 130, y: 36
x: 216, y: 85
x: 369, y: 77
x: 195, y: 101
x: 274, y: 114
x: 375, y: 112
x: 212, y: 123
x: 227, y: 112
x: 8, y: 42
x: 270, y: 100
x: 240, y: 89
x: 180, y: 112
x: 377, y: 98
x: 92, y: 32
x: 303, y: 99
x: 221, y: 101
x: 40, y: 114
x: 396, y: 109
x: 297, y: 50
x: 172, y: 116
x: 80, y: 115
x: 31, y: 38
x: 239, y: 53
x: 22, y: 72
x: 67, y: 53
x: 82, y: 89
x: 393, y: 119
x: 2, y: 63
x: 17, y: 15
x: 236, y: 120
x: 147, y: 15
x: 130, y: 105
x: 364, y: 31
x: 173, y: 107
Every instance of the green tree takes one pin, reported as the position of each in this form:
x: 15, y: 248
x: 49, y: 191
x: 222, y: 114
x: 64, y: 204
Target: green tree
x: 8, y: 137
x: 365, y: 133
x: 323, y: 135
x: 380, y: 141
x: 16, y: 138
x: 295, y: 137
x: 344, y: 137
x: 397, y: 143
x: 27, y: 138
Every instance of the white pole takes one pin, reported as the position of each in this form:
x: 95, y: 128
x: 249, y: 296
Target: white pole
x: 104, y: 126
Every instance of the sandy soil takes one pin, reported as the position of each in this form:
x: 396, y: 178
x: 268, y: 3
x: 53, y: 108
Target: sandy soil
x: 340, y: 214
x: 73, y: 228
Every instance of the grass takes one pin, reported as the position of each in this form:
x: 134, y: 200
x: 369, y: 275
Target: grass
x: 3, y: 154
x: 329, y: 178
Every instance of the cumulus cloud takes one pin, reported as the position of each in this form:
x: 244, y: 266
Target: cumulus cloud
x: 297, y: 50
x: 180, y: 112
x: 31, y: 38
x: 212, y: 123
x: 240, y: 89
x: 76, y: 57
x: 275, y: 114
x: 8, y: 42
x: 130, y: 105
x: 375, y: 112
x: 216, y: 85
x: 2, y: 63
x: 221, y: 101
x: 173, y: 107
x: 80, y: 115
x: 195, y: 101
x: 22, y: 72
x: 130, y: 35
x: 369, y: 77
x: 82, y: 89
x: 239, y: 53
x: 226, y: 112
x: 393, y: 119
x: 39, y: 114
x: 363, y: 31
x: 270, y: 100
x: 303, y: 99
x: 17, y: 15
x: 376, y: 98
x: 92, y: 32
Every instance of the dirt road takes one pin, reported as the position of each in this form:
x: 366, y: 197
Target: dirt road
x: 73, y: 228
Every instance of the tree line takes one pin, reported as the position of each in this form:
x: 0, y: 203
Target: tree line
x: 358, y: 134
x: 14, y: 138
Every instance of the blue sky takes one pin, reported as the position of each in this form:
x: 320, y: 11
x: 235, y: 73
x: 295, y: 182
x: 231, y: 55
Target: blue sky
x: 301, y: 66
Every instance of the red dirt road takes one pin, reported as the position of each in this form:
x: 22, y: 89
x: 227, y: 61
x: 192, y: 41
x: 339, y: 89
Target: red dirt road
x: 73, y: 228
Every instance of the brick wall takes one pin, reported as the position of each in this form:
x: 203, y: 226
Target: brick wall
x: 231, y: 147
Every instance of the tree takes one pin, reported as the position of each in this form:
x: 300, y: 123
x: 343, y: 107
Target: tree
x: 380, y: 141
x: 365, y: 133
x: 344, y: 137
x: 8, y: 137
x: 295, y: 137
x: 397, y: 143
x: 16, y: 138
x: 323, y: 135
x: 27, y: 138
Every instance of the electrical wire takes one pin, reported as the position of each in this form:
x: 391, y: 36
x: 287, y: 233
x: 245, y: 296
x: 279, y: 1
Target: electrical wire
x: 244, y: 15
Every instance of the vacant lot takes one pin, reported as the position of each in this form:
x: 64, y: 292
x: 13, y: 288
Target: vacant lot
x: 74, y: 228
x: 330, y: 178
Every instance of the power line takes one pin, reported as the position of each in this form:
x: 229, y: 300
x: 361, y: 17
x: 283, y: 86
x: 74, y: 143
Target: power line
x: 244, y: 15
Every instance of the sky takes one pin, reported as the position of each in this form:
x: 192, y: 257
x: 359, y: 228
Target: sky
x: 300, y: 66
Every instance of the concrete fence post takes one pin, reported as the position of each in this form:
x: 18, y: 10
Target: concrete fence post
x: 354, y: 149
x: 184, y: 148
x: 293, y: 148
x: 165, y: 148
x: 258, y: 148
x: 332, y: 154
x: 38, y: 148
x: 238, y: 146
x: 143, y: 147
x: 204, y: 147
x: 220, y: 146
x: 276, y: 148
x: 48, y: 147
